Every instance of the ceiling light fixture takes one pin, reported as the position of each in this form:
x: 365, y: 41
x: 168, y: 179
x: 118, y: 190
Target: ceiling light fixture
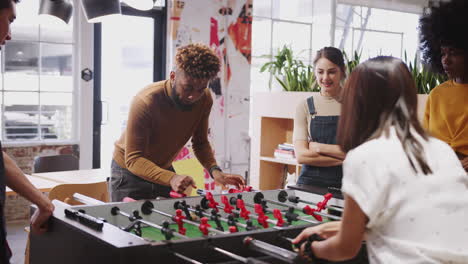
x: 97, y: 10
x: 62, y: 9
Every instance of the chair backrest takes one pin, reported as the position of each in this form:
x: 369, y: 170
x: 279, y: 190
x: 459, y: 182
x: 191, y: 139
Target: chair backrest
x: 56, y: 163
x: 64, y: 192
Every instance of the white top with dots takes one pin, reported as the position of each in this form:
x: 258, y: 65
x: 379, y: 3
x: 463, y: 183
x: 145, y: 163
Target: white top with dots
x: 413, y: 218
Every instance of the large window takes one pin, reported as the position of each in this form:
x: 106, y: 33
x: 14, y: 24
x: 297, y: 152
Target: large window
x: 37, y: 91
x: 372, y: 31
x: 304, y: 25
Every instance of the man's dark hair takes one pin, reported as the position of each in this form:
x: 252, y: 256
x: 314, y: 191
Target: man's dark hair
x: 7, y: 3
x: 444, y: 25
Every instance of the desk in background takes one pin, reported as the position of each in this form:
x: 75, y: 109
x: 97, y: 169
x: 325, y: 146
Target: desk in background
x: 75, y: 176
x: 41, y: 184
x: 45, y: 181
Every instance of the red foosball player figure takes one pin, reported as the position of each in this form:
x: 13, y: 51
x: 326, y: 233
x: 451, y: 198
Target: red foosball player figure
x: 179, y: 219
x: 244, y: 213
x: 311, y: 211
x: 211, y: 201
x: 258, y: 209
x: 227, y: 206
x: 248, y: 188
x: 323, y: 204
x: 262, y: 218
x: 245, y: 189
x: 277, y: 214
x: 204, y: 226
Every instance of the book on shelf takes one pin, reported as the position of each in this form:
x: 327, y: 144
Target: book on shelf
x: 284, y: 154
x: 286, y: 146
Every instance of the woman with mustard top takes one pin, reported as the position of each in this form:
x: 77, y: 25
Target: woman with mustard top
x: 316, y: 122
x: 446, y: 49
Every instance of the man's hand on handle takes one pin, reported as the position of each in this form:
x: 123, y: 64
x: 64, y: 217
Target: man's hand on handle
x: 181, y: 182
x: 228, y: 179
x: 40, y: 218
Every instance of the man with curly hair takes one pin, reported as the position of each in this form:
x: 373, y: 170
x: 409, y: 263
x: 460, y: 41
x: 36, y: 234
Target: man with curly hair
x: 445, y: 48
x: 163, y: 117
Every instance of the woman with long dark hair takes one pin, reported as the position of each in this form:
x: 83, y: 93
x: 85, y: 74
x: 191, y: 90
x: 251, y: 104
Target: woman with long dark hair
x: 406, y: 191
x: 316, y: 122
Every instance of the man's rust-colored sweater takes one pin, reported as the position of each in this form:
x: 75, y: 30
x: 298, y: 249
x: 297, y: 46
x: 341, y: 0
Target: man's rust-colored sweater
x: 157, y: 130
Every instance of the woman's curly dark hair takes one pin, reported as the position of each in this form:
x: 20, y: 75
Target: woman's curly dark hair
x: 444, y: 25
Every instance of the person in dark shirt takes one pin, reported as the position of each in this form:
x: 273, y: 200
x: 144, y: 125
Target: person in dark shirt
x: 10, y: 174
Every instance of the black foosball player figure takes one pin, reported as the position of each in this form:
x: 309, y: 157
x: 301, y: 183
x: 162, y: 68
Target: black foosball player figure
x: 290, y: 215
x: 264, y: 205
x: 199, y: 211
x: 232, y: 222
x: 167, y: 231
x: 215, y: 217
x: 135, y: 226
x: 250, y: 225
x: 183, y: 205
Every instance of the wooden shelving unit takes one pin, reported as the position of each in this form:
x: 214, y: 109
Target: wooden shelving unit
x: 273, y: 122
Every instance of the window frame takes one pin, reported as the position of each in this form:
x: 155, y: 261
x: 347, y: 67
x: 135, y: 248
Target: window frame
x: 78, y: 22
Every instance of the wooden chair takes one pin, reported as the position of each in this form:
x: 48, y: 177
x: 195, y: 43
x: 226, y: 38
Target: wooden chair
x: 64, y: 193
x: 55, y: 163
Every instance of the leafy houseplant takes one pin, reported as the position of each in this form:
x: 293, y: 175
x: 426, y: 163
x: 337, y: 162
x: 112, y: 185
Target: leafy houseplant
x: 292, y: 74
x: 351, y: 63
x: 425, y: 79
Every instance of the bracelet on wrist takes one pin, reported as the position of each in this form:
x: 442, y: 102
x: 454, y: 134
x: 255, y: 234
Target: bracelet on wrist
x: 216, y: 167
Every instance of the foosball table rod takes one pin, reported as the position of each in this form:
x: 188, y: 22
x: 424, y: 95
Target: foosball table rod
x: 148, y: 207
x: 272, y: 250
x: 238, y: 212
x: 259, y: 198
x: 283, y: 197
x: 189, y: 260
x: 272, y: 211
x: 196, y: 211
x: 248, y: 260
x: 135, y: 218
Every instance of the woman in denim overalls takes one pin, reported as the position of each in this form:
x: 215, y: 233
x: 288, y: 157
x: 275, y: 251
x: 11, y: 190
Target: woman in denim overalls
x: 316, y: 123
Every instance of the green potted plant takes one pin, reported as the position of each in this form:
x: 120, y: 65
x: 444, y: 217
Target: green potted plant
x: 351, y: 63
x: 425, y: 79
x: 292, y: 74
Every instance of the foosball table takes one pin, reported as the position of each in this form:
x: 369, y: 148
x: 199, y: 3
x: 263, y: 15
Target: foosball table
x: 245, y: 227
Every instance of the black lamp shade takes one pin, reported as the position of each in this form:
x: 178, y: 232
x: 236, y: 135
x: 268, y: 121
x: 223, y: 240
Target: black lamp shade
x: 62, y: 9
x: 95, y: 10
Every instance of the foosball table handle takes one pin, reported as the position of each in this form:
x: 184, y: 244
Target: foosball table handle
x: 174, y: 194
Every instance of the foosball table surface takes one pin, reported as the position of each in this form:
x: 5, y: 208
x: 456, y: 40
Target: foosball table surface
x: 73, y: 241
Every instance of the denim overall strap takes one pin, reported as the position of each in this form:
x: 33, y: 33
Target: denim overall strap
x: 311, y: 105
x: 322, y: 130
